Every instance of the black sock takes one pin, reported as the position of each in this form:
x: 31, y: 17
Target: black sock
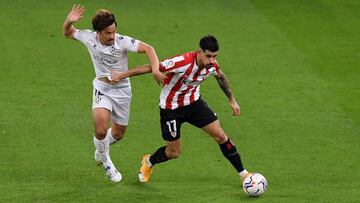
x: 159, y: 156
x: 230, y: 152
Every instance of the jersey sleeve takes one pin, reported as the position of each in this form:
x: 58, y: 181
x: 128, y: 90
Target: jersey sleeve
x: 127, y: 43
x: 173, y: 64
x: 82, y: 35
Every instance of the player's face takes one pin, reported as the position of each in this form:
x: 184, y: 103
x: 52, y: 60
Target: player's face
x: 206, y: 59
x: 107, y: 35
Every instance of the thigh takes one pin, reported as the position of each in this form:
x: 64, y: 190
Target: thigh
x: 201, y: 115
x: 121, y: 100
x: 101, y: 100
x: 170, y: 121
x: 216, y: 132
x: 121, y: 111
x: 101, y: 110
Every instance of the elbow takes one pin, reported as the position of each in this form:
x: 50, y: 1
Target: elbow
x: 148, y: 69
x: 68, y: 34
x: 150, y: 49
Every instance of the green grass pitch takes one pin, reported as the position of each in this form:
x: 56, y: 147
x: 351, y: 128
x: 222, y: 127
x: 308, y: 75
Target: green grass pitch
x: 294, y: 67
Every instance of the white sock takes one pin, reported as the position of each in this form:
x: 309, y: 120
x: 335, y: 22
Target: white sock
x: 111, y: 139
x: 243, y: 174
x: 102, y: 146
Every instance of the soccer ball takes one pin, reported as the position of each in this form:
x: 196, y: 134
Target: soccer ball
x: 255, y: 184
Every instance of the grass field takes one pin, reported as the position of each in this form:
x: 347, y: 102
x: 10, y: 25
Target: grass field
x: 293, y: 66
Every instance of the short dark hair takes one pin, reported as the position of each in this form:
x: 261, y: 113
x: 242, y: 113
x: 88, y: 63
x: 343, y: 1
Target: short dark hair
x: 103, y: 19
x: 210, y: 43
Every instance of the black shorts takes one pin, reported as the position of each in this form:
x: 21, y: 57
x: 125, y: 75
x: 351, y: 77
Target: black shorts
x: 197, y: 114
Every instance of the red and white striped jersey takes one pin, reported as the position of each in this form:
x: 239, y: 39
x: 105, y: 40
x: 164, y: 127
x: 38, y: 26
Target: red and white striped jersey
x: 182, y: 85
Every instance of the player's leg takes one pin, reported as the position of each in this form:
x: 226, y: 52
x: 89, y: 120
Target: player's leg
x: 120, y: 114
x: 205, y: 118
x: 102, y: 107
x: 120, y: 109
x: 170, y: 127
x: 227, y: 148
x: 101, y: 113
x: 113, y: 134
x: 163, y: 154
x: 116, y: 132
x: 170, y: 151
x: 101, y: 118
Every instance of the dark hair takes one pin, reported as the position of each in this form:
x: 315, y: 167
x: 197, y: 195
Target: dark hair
x: 210, y: 43
x: 102, y: 19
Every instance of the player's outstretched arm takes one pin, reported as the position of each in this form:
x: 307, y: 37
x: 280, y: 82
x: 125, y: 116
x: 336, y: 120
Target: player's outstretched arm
x: 224, y: 84
x: 74, y: 16
x: 154, y: 61
x: 116, y: 76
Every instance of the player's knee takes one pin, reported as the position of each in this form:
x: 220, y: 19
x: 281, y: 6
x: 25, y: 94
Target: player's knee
x: 220, y: 136
x: 172, y: 153
x: 100, y: 133
x: 223, y: 138
x: 118, y: 135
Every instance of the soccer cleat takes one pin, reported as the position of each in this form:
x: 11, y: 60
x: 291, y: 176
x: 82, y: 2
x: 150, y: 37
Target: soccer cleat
x: 113, y: 174
x: 246, y: 175
x: 145, y: 170
x: 97, y: 157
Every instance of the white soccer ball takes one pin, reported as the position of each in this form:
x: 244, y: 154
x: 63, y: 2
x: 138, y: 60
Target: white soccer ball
x: 255, y: 184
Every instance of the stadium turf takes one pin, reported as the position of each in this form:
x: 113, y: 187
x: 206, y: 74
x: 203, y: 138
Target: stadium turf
x: 293, y: 66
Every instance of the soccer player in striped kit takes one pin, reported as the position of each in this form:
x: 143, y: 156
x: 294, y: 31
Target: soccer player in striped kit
x: 180, y: 102
x: 109, y: 51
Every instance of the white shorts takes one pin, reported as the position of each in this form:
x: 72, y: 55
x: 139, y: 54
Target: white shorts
x: 116, y: 100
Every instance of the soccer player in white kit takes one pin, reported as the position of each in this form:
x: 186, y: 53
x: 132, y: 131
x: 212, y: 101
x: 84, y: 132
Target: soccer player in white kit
x: 108, y: 51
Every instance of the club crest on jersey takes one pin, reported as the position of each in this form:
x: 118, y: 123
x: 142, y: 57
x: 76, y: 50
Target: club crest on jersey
x: 173, y: 134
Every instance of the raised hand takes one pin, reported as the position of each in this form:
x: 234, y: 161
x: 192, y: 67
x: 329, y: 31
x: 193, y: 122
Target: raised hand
x: 75, y: 13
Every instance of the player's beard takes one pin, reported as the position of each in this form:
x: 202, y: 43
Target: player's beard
x: 110, y: 42
x: 209, y: 65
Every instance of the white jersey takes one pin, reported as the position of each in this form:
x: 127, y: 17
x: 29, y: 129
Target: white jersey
x: 105, y: 58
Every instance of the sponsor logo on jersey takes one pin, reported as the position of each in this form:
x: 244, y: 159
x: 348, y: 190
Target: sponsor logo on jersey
x: 186, y: 81
x: 105, y: 61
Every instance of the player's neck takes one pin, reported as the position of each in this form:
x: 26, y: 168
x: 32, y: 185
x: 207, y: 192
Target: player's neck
x: 198, y: 62
x: 102, y: 42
